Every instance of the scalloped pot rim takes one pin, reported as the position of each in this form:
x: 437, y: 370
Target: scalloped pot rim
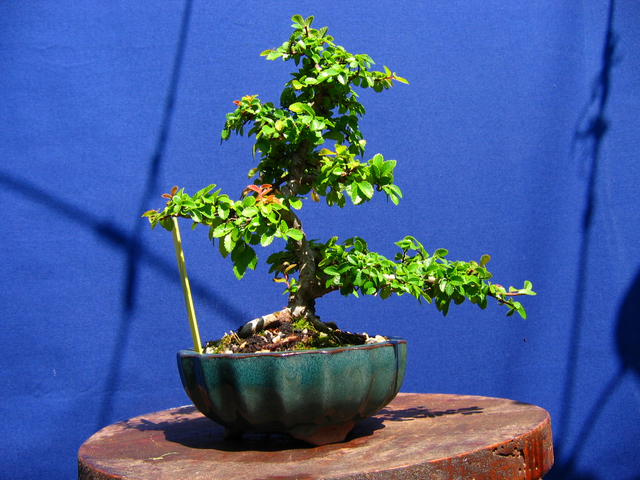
x: 322, y: 351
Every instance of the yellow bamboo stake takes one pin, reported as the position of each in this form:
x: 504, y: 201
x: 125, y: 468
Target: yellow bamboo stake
x: 186, y: 289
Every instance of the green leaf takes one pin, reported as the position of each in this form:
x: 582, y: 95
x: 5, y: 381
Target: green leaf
x: 520, y: 310
x: 405, y: 244
x: 221, y: 230
x: 366, y: 188
x: 167, y: 224
x: 250, y: 212
x: 248, y: 201
x: 268, y: 130
x: 387, y: 167
x: 317, y: 125
x: 352, y: 191
x: 239, y: 270
x: 229, y: 243
x: 377, y: 160
x: 296, y: 107
x: 223, y: 251
x: 266, y: 240
x: 299, y: 107
x: 331, y: 271
x: 295, y: 234
x: 483, y: 302
x: 396, y: 190
x: 223, y: 211
x: 295, y: 203
x: 250, y: 257
x: 243, y: 257
x: 201, y: 192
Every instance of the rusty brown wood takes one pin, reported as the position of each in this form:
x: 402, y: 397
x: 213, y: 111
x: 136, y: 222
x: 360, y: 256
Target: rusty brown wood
x: 418, y: 436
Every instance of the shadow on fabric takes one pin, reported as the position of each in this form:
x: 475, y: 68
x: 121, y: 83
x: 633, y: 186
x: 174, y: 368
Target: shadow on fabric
x: 132, y: 248
x: 118, y: 238
x: 130, y: 243
x: 591, y: 131
x: 628, y: 345
x: 589, y: 134
x: 628, y: 329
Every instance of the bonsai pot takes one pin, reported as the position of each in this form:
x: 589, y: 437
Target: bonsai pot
x: 314, y: 395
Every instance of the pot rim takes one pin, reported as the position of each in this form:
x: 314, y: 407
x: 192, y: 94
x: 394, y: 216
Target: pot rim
x: 322, y: 351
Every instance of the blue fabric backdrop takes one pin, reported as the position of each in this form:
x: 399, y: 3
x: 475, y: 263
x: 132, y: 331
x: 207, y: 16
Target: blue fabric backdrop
x: 518, y: 137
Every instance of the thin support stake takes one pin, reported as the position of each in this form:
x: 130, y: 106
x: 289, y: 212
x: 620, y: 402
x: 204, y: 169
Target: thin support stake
x: 186, y: 289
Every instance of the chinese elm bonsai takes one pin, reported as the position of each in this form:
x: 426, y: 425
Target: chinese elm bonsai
x: 309, y: 148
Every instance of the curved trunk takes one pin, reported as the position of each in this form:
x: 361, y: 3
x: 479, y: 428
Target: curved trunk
x: 302, y: 302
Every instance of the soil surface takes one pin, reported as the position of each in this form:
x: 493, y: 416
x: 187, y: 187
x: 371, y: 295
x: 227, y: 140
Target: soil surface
x: 288, y: 335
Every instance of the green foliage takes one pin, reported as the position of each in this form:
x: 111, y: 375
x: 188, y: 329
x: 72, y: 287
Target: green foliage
x: 352, y: 268
x: 318, y: 104
x: 311, y: 146
x: 238, y: 225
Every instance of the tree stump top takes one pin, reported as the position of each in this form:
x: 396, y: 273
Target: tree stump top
x: 431, y: 436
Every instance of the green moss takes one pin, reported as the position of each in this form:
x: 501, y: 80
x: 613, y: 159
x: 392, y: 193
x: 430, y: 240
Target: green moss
x: 302, y: 323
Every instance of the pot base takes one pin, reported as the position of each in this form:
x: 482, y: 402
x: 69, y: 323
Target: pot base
x: 322, y: 436
x: 327, y: 435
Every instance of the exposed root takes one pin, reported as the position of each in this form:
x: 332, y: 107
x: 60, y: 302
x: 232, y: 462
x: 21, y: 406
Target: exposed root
x: 273, y: 320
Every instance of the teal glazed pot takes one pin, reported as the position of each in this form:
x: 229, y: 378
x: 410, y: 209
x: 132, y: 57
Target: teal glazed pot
x: 315, y: 395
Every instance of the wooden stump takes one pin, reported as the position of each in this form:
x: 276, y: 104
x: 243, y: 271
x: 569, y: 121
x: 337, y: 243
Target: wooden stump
x: 442, y: 437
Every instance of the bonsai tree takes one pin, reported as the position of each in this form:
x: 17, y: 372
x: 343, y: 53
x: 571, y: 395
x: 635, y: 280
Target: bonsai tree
x: 310, y: 147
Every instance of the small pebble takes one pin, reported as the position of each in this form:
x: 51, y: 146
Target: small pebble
x: 376, y: 339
